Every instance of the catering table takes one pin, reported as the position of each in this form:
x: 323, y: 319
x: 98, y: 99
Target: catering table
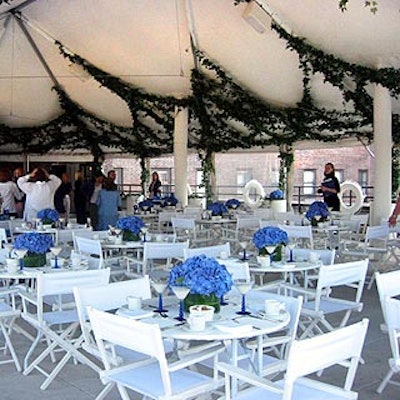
x: 227, y: 327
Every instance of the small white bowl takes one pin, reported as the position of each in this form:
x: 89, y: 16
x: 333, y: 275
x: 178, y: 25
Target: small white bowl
x: 203, y: 309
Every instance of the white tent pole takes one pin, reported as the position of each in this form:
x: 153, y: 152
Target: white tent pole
x: 381, y: 206
x: 180, y: 154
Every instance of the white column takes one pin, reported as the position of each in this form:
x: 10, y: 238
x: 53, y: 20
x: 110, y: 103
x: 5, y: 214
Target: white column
x: 381, y: 206
x: 180, y: 154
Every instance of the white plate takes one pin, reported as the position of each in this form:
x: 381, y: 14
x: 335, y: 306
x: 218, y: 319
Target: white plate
x: 233, y: 327
x: 134, y: 314
x: 283, y: 265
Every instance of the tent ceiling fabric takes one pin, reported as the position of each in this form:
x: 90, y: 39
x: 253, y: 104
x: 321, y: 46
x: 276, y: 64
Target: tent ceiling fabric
x: 147, y: 43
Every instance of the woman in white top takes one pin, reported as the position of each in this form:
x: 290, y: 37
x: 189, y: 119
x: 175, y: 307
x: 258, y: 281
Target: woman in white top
x: 9, y: 192
x: 39, y: 187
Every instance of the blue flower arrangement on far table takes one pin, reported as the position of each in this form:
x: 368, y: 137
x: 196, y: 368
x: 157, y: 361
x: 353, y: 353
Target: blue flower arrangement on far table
x: 270, y: 236
x: 232, y: 203
x: 48, y: 216
x: 170, y: 200
x: 146, y: 205
x: 207, y: 279
x: 131, y: 227
x: 318, y: 211
x: 276, y: 195
x: 217, y: 209
x: 37, y: 244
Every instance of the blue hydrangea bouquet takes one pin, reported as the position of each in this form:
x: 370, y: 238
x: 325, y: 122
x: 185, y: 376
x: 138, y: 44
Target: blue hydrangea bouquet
x: 37, y: 244
x: 146, y: 205
x: 270, y: 236
x: 207, y: 279
x: 48, y: 216
x: 317, y: 212
x: 217, y: 209
x: 232, y: 203
x: 131, y: 227
x: 276, y: 195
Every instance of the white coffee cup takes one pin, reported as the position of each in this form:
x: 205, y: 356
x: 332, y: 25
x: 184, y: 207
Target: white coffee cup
x: 313, y: 257
x: 12, y: 265
x: 223, y: 255
x: 273, y: 307
x: 197, y: 322
x: 134, y: 303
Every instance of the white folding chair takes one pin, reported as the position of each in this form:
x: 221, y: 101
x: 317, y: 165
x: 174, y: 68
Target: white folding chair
x: 8, y: 314
x: 106, y: 298
x: 288, y: 218
x: 209, y: 251
x: 324, y: 301
x: 35, y: 313
x: 90, y: 249
x: 246, y: 225
x: 157, y: 251
x: 388, y: 285
x: 153, y: 377
x: 299, y: 234
x: 164, y: 221
x: 275, y: 348
x: 374, y: 247
x: 185, y: 228
x: 340, y: 347
x: 392, y: 312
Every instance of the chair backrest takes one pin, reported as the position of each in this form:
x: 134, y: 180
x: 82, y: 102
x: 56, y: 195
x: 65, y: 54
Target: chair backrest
x: 388, y: 286
x: 163, y: 251
x: 299, y: 232
x: 377, y: 236
x: 392, y: 311
x: 106, y: 297
x: 183, y: 223
x: 62, y: 283
x: 345, y: 274
x: 238, y: 269
x: 90, y: 250
x: 130, y: 334
x: 326, y: 256
x: 209, y: 251
x: 327, y: 349
x: 89, y: 234
x: 264, y: 222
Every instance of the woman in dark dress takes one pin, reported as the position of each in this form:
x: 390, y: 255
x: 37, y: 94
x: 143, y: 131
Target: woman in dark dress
x: 330, y: 188
x: 155, y: 186
x: 79, y: 199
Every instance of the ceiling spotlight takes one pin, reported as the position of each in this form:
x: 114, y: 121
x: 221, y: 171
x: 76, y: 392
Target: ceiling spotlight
x: 257, y: 17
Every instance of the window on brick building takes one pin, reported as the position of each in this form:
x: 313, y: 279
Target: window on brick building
x: 165, y: 178
x: 309, y: 181
x: 242, y: 177
x: 339, y: 174
x: 363, y: 177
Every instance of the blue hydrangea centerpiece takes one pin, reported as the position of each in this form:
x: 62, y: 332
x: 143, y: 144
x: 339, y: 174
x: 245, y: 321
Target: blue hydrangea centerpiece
x: 270, y: 236
x: 48, y: 216
x: 131, y: 227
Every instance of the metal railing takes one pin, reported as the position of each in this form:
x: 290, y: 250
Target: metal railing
x: 301, y: 196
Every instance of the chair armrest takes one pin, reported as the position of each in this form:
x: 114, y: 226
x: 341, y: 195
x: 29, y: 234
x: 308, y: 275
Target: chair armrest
x: 197, y: 357
x: 248, y: 377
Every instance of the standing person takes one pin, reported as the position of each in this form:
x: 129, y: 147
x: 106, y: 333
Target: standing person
x: 19, y: 203
x: 9, y: 193
x: 155, y: 185
x: 39, y: 188
x: 91, y: 190
x: 62, y: 200
x: 79, y: 199
x: 112, y: 175
x: 108, y: 202
x: 330, y: 188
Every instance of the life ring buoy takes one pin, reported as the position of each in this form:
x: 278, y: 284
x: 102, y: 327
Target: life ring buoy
x: 357, y: 192
x: 251, y: 187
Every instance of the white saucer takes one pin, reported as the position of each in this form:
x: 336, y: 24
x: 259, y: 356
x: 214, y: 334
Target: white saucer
x: 134, y: 314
